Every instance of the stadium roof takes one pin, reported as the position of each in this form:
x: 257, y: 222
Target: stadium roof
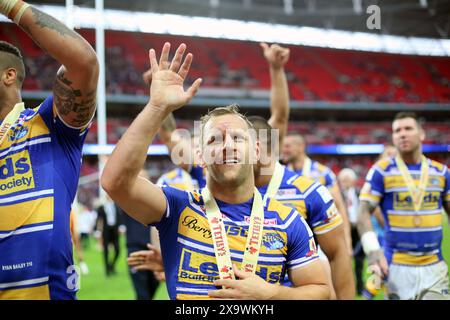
x: 411, y: 18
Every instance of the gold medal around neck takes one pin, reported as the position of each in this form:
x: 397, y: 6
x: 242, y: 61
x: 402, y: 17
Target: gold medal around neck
x: 416, y: 192
x: 219, y: 236
x: 417, y: 221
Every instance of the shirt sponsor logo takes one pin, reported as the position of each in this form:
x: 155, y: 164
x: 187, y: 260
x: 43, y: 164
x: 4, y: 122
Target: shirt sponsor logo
x: 287, y: 192
x: 201, y: 268
x: 404, y: 201
x: 16, y: 173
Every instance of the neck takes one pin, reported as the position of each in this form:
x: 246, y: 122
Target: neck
x: 413, y: 157
x: 8, y: 103
x: 299, y: 162
x: 265, y: 174
x: 229, y: 193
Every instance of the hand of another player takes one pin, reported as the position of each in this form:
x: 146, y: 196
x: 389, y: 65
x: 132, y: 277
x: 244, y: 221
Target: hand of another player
x: 147, y: 259
x: 248, y: 286
x: 377, y: 263
x: 276, y: 55
x: 167, y: 79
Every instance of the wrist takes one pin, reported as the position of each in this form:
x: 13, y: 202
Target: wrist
x: 13, y: 9
x: 157, y: 111
x: 369, y: 242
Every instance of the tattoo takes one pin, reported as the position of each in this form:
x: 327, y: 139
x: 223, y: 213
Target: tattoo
x: 365, y: 209
x: 43, y: 20
x: 69, y: 100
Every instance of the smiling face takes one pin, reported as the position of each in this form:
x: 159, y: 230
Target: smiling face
x: 228, y: 150
x: 407, y: 135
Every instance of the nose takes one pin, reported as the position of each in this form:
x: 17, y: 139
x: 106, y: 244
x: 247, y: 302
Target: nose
x: 229, y: 143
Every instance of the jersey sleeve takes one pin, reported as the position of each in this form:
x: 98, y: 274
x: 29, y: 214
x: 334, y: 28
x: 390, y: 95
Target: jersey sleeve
x: 373, y: 188
x: 67, y: 145
x: 177, y: 200
x: 161, y: 181
x: 330, y: 178
x: 197, y: 173
x: 301, y: 245
x: 70, y: 138
x: 447, y: 185
x: 323, y: 215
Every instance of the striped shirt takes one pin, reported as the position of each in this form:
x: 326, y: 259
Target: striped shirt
x: 188, y: 251
x: 411, y: 238
x: 40, y: 162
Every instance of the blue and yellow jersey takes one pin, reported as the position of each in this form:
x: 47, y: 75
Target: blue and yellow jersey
x: 188, y: 251
x: 410, y: 238
x: 311, y: 199
x: 176, y: 179
x: 40, y: 162
x: 199, y: 174
x: 321, y: 173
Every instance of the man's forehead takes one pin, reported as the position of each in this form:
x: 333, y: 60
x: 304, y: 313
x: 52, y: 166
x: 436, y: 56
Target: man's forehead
x: 404, y: 122
x: 227, y: 122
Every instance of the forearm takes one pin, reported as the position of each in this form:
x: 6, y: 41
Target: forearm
x: 305, y: 292
x: 279, y: 100
x: 342, y: 275
x: 60, y: 42
x: 127, y: 159
x: 364, y: 224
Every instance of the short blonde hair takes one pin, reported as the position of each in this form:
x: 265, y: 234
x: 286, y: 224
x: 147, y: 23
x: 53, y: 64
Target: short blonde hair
x: 220, y: 111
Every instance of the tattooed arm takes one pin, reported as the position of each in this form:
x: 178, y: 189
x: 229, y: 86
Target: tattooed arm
x: 364, y: 226
x: 76, y: 81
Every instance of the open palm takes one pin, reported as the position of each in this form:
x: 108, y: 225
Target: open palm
x: 166, y: 90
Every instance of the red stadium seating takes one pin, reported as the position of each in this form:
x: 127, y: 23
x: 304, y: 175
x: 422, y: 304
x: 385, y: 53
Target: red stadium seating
x: 314, y: 73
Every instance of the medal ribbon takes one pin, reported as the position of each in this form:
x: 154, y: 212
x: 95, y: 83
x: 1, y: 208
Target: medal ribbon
x: 418, y: 192
x: 10, y: 119
x: 275, y: 181
x: 220, y: 241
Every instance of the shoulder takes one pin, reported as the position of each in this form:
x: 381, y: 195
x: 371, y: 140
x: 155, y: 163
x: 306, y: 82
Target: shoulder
x: 437, y: 165
x: 384, y: 164
x: 321, y: 167
x: 280, y: 210
x: 303, y: 183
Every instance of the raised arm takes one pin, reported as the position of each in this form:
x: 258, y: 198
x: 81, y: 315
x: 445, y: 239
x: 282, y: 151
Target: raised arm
x: 140, y: 198
x: 76, y: 81
x: 277, y: 57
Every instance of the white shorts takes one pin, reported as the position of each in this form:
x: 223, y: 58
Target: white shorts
x: 418, y: 283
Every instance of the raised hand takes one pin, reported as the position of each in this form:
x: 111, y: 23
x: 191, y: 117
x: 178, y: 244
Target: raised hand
x: 248, y: 287
x: 276, y: 55
x: 167, y: 78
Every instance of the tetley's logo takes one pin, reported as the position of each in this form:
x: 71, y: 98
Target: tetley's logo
x: 16, y: 173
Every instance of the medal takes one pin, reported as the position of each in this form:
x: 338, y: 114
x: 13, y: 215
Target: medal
x: 418, y: 192
x: 417, y: 220
x: 219, y: 236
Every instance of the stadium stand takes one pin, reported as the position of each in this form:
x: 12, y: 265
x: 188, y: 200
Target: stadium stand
x: 314, y: 73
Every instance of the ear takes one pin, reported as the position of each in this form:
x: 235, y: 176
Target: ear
x: 9, y: 77
x: 257, y: 150
x: 422, y: 135
x: 201, y: 158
